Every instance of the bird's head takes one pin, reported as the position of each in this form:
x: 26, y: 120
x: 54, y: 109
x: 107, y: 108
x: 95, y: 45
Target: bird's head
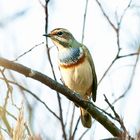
x: 62, y: 38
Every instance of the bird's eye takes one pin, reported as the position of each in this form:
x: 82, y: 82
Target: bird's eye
x: 60, y: 33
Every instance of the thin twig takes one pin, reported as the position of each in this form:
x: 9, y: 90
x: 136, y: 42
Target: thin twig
x: 83, y: 134
x: 67, y: 112
x: 76, y: 126
x: 9, y: 88
x: 131, y: 79
x: 80, y: 138
x: 128, y: 55
x: 49, y: 58
x: 113, y: 61
x: 71, y: 123
x: 28, y: 51
x: 125, y: 135
x: 127, y: 7
x: 33, y: 94
x: 119, y: 25
x: 116, y: 114
x: 84, y: 21
x: 8, y: 113
x: 105, y: 15
x: 108, y: 114
x: 117, y: 30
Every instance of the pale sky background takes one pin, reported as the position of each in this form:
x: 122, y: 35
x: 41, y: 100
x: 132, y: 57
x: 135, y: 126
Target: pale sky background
x: 19, y: 35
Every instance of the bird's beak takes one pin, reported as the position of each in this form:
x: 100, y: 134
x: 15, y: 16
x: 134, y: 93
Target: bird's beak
x: 47, y: 35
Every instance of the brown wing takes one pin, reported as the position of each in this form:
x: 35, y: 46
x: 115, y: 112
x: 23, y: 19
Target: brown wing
x: 94, y: 85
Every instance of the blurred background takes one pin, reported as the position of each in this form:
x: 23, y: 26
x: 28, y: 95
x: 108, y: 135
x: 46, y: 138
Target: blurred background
x: 111, y: 31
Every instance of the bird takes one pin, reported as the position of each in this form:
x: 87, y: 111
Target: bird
x: 76, y: 68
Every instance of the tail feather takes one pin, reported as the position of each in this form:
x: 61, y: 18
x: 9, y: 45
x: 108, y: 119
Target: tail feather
x: 85, y: 118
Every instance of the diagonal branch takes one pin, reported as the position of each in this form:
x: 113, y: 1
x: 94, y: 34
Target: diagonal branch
x: 106, y: 16
x: 96, y: 114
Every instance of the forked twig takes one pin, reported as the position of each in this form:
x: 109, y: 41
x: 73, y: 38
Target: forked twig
x: 117, y: 117
x: 117, y: 30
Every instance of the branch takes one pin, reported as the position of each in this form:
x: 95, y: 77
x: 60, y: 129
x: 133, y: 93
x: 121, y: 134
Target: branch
x: 34, y: 95
x: 28, y: 72
x: 52, y: 69
x: 76, y: 126
x: 28, y: 51
x: 117, y: 117
x: 132, y: 75
x: 106, y: 16
x: 117, y: 30
x: 85, y: 14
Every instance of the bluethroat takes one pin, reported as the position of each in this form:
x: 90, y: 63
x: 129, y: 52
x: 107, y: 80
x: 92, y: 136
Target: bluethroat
x: 76, y: 67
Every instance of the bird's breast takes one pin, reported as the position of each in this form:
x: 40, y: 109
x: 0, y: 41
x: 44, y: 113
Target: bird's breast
x: 78, y: 77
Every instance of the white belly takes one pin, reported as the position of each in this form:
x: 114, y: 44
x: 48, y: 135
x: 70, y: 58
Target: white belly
x: 78, y: 78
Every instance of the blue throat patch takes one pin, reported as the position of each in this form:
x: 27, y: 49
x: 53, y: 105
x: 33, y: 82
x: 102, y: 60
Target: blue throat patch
x: 70, y: 55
